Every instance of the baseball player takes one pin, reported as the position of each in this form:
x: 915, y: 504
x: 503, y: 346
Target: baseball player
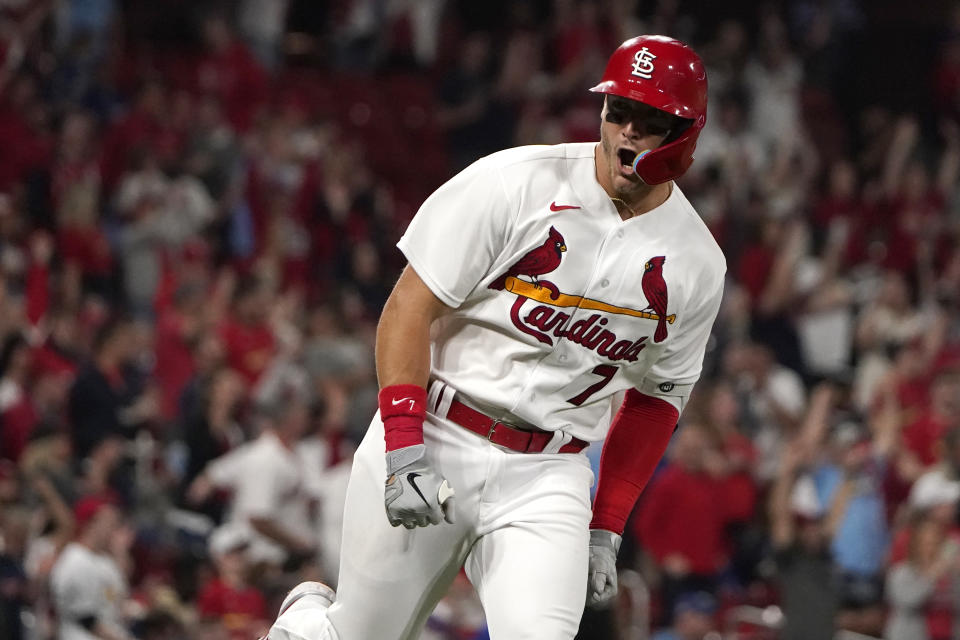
x: 542, y: 283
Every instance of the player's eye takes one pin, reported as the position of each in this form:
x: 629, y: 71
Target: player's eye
x: 616, y: 117
x: 657, y: 130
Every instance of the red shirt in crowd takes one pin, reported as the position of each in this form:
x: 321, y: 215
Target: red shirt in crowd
x: 249, y: 348
x: 23, y: 149
x: 922, y: 436
x: 685, y: 513
x: 48, y: 359
x: 905, y: 222
x: 940, y: 610
x: 17, y: 422
x: 237, y: 609
x: 86, y: 247
x: 174, y: 365
x: 237, y: 79
x: 139, y: 128
x: 754, y: 270
x: 38, y: 292
x: 946, y: 81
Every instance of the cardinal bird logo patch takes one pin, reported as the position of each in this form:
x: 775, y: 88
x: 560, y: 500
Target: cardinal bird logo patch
x: 655, y: 291
x: 537, y: 262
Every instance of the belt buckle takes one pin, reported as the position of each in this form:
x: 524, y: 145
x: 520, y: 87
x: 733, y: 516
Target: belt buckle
x: 493, y: 428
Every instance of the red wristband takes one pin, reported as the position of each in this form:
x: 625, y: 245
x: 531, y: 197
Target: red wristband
x: 402, y: 409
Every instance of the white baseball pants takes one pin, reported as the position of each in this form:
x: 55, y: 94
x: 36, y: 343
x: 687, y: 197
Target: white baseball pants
x: 521, y: 533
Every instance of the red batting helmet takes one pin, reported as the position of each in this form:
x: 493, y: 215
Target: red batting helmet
x: 665, y: 74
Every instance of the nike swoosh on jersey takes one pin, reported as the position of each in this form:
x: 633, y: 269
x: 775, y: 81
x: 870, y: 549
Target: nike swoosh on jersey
x: 411, y: 478
x: 396, y: 402
x: 561, y: 207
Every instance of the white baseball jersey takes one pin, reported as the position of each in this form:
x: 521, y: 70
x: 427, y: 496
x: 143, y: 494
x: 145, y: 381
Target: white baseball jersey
x: 558, y: 302
x: 84, y: 583
x: 280, y: 489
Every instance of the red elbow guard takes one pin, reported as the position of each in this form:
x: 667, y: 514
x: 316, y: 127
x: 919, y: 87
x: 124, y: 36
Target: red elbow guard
x: 638, y: 438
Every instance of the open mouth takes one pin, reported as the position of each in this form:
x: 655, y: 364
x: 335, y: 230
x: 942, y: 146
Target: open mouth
x: 626, y: 157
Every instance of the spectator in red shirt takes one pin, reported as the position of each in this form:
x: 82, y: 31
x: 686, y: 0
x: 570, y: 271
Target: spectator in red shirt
x: 37, y: 278
x: 58, y: 354
x: 923, y: 436
x: 916, y: 198
x: 683, y: 516
x: 24, y: 134
x: 946, y: 78
x: 246, y: 335
x: 82, y: 243
x: 934, y: 495
x: 841, y: 212
x: 230, y: 72
x: 18, y: 417
x: 146, y: 127
x: 229, y: 598
x: 738, y: 457
x: 76, y: 164
x: 178, y: 328
x: 578, y: 37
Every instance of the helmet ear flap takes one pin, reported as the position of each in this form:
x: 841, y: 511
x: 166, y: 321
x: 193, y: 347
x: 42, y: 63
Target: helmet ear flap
x: 668, y: 75
x: 671, y: 159
x: 677, y: 131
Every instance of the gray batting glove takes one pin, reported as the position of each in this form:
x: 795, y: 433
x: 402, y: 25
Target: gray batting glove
x: 415, y: 495
x: 602, y: 575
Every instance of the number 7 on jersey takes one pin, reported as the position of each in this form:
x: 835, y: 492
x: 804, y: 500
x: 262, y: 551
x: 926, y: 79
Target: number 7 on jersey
x: 606, y: 373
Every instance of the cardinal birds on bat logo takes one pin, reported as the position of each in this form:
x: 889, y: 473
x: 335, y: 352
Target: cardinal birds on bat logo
x: 655, y: 291
x: 548, y: 320
x: 537, y: 262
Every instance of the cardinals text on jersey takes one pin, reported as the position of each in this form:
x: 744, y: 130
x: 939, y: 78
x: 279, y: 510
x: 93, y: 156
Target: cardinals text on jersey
x: 543, y: 321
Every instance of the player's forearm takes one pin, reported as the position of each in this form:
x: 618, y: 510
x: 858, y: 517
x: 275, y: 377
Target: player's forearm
x: 403, y: 346
x: 403, y: 359
x: 403, y: 334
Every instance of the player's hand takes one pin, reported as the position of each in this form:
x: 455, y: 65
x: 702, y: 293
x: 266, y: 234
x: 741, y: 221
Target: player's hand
x: 602, y: 576
x: 414, y: 494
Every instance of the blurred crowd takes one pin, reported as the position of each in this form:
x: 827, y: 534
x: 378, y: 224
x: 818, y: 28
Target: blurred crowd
x: 198, y: 208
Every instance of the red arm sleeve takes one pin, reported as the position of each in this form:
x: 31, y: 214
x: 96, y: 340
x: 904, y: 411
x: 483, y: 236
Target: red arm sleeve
x: 637, y: 440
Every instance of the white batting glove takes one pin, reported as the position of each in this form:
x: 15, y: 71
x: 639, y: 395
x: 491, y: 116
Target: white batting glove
x: 602, y: 575
x: 414, y: 494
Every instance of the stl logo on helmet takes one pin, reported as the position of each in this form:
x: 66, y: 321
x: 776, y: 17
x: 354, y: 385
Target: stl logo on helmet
x: 643, y: 63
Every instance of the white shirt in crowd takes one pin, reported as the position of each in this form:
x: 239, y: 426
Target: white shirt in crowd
x: 267, y: 480
x: 86, y: 584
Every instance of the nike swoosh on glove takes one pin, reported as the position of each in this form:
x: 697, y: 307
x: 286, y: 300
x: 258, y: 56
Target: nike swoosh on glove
x: 414, y: 494
x: 602, y: 576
